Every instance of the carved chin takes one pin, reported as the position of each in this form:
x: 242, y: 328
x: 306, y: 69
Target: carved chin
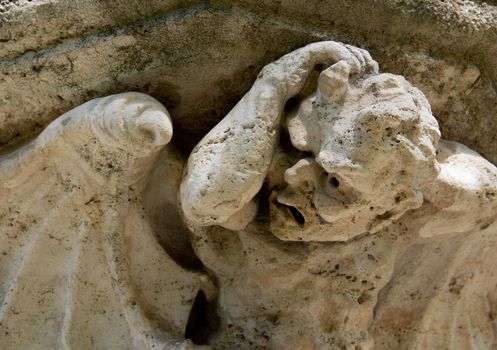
x: 290, y: 223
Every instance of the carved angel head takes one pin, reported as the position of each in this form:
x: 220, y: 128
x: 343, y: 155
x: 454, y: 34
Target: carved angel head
x: 371, y: 144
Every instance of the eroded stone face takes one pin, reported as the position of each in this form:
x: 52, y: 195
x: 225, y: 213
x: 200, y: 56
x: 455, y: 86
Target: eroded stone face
x: 363, y: 166
x: 373, y: 142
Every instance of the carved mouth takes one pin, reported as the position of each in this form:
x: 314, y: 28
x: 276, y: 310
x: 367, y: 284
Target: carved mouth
x: 290, y: 212
x: 297, y: 215
x: 289, y: 223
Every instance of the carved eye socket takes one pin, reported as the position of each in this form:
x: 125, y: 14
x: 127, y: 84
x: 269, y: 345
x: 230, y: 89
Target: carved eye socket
x: 330, y: 183
x: 333, y: 181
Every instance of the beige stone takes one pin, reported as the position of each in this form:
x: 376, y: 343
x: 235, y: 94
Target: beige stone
x: 198, y: 57
x: 323, y: 212
x: 378, y: 202
x: 80, y: 265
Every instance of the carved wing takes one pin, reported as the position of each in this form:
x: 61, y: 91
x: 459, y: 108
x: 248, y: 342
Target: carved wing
x: 74, y: 239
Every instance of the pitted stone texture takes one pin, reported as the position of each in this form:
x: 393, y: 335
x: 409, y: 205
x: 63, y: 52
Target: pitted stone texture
x: 228, y: 167
x: 367, y: 143
x: 393, y: 283
x: 80, y: 266
x: 344, y: 189
x: 58, y: 54
x: 324, y: 213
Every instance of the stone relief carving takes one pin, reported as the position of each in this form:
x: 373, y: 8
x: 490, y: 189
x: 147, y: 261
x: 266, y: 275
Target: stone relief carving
x: 323, y: 212
x: 80, y: 266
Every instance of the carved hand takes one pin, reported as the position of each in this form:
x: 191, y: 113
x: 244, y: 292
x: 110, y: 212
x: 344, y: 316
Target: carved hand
x: 290, y: 72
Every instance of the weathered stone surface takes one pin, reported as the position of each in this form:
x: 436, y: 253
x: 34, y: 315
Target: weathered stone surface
x: 80, y: 265
x: 370, y: 172
x: 323, y: 212
x: 56, y: 55
x: 340, y: 209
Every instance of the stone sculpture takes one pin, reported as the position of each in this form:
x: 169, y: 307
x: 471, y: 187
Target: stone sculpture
x: 80, y: 267
x: 324, y: 212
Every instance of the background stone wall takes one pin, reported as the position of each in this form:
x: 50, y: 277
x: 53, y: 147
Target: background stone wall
x: 199, y: 57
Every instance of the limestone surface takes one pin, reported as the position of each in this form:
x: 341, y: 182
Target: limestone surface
x: 323, y: 212
x: 198, y: 57
x: 359, y: 212
x: 80, y: 265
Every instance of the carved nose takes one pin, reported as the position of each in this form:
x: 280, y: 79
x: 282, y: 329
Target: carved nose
x: 304, y: 170
x: 156, y: 126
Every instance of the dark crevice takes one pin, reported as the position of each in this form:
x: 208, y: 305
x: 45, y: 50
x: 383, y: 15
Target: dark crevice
x: 163, y: 210
x: 202, y: 321
x: 386, y: 215
x: 292, y: 104
x: 297, y: 215
x: 285, y: 142
x: 334, y: 182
